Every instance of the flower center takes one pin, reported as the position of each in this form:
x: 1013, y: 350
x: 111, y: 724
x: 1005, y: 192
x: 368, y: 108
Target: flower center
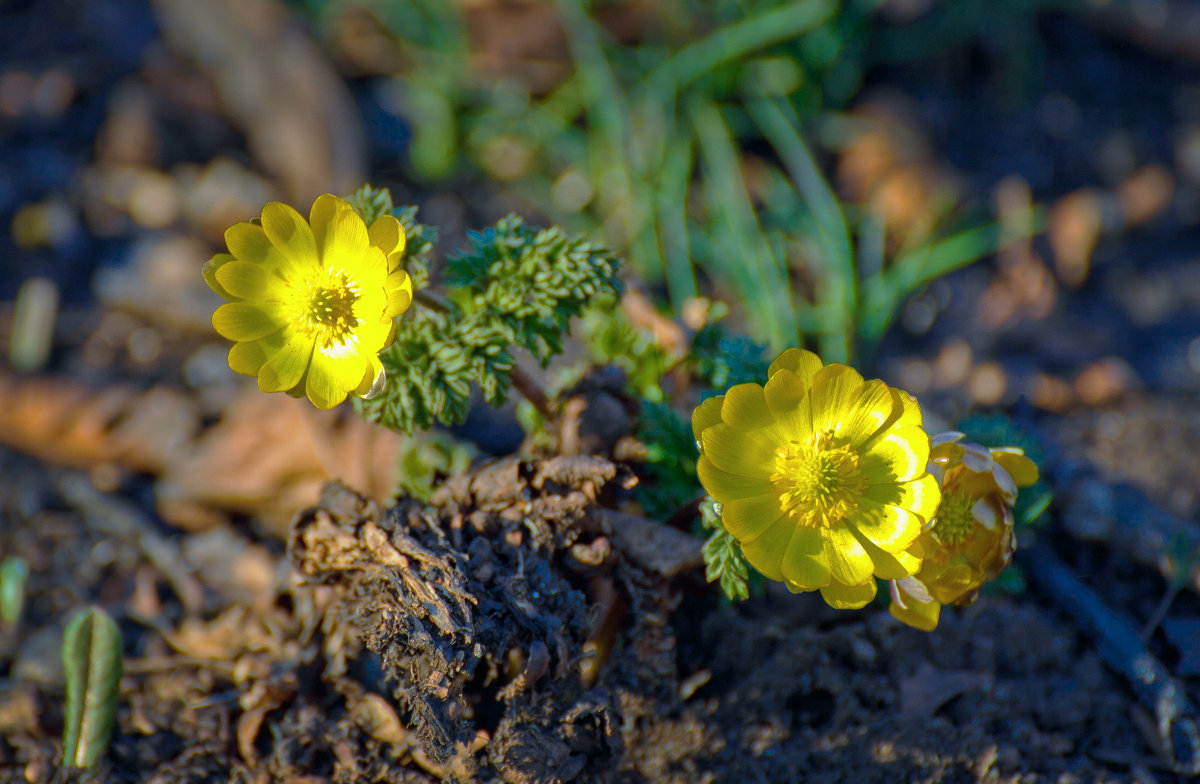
x: 819, y: 482
x: 322, y: 307
x: 954, y: 518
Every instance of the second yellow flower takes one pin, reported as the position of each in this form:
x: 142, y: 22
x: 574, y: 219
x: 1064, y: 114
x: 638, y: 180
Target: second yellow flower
x: 820, y: 475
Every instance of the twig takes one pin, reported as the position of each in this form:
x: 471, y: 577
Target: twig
x: 431, y: 301
x: 531, y: 391
x: 1122, y: 649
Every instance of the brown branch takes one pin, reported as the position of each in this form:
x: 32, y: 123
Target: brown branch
x: 532, y: 391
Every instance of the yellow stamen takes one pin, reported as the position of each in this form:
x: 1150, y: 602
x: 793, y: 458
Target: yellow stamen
x: 322, y: 307
x: 819, y: 482
x: 954, y: 519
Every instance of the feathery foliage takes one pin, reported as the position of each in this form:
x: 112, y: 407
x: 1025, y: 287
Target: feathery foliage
x: 515, y: 285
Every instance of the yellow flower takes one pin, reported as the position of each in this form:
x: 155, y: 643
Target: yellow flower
x: 971, y: 540
x: 311, y: 304
x: 821, y: 476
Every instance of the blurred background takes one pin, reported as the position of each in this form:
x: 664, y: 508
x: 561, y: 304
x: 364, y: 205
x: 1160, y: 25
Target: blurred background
x: 993, y: 204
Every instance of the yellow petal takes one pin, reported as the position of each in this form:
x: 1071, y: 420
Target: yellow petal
x: 373, y: 379
x: 1023, y: 470
x: 706, y: 415
x: 332, y: 375
x: 914, y: 612
x: 371, y: 304
x: 900, y: 454
x: 804, y: 364
x: 889, y: 527
x: 920, y: 496
x: 243, y: 321
x: 805, y: 566
x: 848, y: 597
x: 210, y: 274
x: 745, y: 408
x: 869, y: 409
x: 345, y: 246
x: 787, y: 398
x: 247, y: 358
x: 374, y: 337
x: 746, y: 454
x: 910, y: 409
x: 285, y: 367
x: 252, y: 282
x: 249, y: 242
x: 766, y: 552
x: 957, y: 579
x: 399, y: 293
x: 747, y: 518
x: 290, y: 235
x: 324, y: 209
x: 387, y: 234
x: 848, y: 561
x: 725, y: 486
x: 833, y: 389
x: 890, y: 566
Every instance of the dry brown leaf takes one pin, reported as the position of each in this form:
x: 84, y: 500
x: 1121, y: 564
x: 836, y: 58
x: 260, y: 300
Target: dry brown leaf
x: 929, y: 688
x: 64, y: 422
x: 269, y: 457
x: 299, y: 118
x: 1076, y: 221
x: 889, y: 166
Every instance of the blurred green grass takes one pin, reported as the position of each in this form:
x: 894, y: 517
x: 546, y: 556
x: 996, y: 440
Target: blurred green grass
x: 647, y: 139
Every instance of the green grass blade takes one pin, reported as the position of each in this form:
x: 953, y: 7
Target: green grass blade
x: 840, y: 281
x: 672, y: 222
x: 734, y: 42
x: 761, y: 277
x: 917, y: 267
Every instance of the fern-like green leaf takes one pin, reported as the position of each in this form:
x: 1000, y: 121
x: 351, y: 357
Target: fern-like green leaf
x: 533, y: 281
x: 723, y: 558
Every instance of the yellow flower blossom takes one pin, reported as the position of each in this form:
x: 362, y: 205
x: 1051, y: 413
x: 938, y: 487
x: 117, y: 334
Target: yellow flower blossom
x: 821, y: 476
x: 972, y: 539
x: 311, y: 303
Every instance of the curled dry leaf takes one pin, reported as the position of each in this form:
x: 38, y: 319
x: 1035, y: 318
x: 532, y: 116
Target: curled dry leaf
x: 299, y: 119
x: 64, y: 422
x: 889, y: 166
x: 269, y: 458
x: 265, y: 458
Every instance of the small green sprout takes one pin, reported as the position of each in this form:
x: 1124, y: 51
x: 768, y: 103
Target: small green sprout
x: 91, y: 654
x: 13, y: 576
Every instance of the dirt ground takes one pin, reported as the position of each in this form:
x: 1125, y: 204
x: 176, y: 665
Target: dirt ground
x: 525, y: 624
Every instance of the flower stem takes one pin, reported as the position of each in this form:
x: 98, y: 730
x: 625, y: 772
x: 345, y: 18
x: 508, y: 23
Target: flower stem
x: 431, y: 301
x: 532, y: 391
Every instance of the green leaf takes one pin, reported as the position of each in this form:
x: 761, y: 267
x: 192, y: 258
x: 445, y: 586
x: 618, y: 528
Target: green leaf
x: 723, y: 557
x: 670, y: 460
x: 530, y: 282
x: 13, y: 576
x: 91, y: 654
x: 371, y: 203
x: 722, y: 360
